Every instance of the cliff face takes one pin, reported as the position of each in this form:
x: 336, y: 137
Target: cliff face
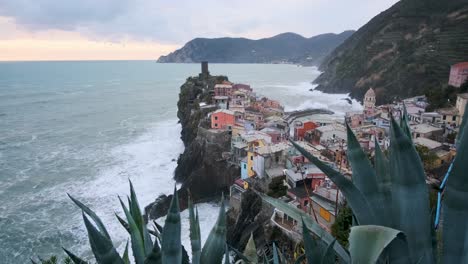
x: 283, y: 48
x: 404, y: 51
x: 200, y: 168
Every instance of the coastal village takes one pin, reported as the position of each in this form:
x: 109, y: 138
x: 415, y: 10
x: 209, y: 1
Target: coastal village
x: 260, y: 132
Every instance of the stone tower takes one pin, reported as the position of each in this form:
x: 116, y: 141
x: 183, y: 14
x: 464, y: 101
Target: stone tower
x: 369, y: 99
x: 204, y: 69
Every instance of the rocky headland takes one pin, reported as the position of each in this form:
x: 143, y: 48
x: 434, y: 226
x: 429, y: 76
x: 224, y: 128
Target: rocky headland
x: 201, y: 170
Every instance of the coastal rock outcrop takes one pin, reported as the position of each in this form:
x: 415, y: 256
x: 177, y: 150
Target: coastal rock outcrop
x: 201, y: 169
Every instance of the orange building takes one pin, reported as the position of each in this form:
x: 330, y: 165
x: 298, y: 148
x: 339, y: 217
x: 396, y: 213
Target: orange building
x: 301, y: 128
x: 222, y: 118
x: 458, y: 74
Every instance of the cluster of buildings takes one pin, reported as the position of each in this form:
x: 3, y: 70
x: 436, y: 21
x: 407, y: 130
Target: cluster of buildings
x: 260, y: 133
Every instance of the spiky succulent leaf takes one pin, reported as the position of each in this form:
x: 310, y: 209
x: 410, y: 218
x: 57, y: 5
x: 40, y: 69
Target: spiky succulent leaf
x: 276, y: 259
x: 250, y: 250
x: 298, y: 215
x: 213, y: 250
x: 125, y: 256
x: 138, y: 218
x: 155, y: 255
x: 300, y: 259
x: 410, y: 195
x: 311, y: 246
x: 384, y: 181
x: 102, y: 247
x: 328, y: 256
x: 357, y: 201
x: 455, y: 206
x: 226, y: 255
x: 171, y: 235
x: 195, y: 240
x: 138, y: 247
x: 91, y: 214
x: 404, y: 123
x: 364, y: 177
x: 366, y: 243
x: 74, y: 258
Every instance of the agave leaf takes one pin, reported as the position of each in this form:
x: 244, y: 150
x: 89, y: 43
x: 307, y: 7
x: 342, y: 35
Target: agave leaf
x: 125, y: 257
x: 364, y: 177
x: 241, y: 256
x: 138, y: 247
x: 171, y: 241
x: 297, y: 215
x: 328, y: 256
x: 250, y: 250
x: 32, y: 261
x: 213, y: 250
x: 357, y: 201
x: 366, y: 243
x: 312, y: 248
x: 410, y: 195
x: 91, y: 214
x: 275, y: 254
x: 155, y: 256
x: 74, y: 258
x: 455, y: 206
x: 194, y: 234
x: 102, y: 247
x: 138, y: 218
x: 404, y: 124
x: 384, y: 181
x: 226, y: 255
x: 300, y: 259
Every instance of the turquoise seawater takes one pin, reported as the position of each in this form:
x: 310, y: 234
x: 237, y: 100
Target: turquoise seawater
x: 85, y: 128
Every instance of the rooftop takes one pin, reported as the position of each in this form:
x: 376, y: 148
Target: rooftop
x: 448, y: 111
x: 220, y: 97
x: 223, y: 86
x: 424, y: 128
x: 463, y: 95
x: 229, y: 112
x: 282, y: 146
x: 429, y: 143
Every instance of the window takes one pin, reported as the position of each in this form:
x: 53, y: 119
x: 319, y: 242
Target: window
x: 454, y: 118
x: 216, y: 124
x: 251, y: 157
x: 418, y: 135
x: 245, y: 166
x: 444, y: 117
x: 216, y: 118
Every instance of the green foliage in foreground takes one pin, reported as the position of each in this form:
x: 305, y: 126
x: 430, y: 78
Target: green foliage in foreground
x: 389, y: 201
x: 342, y: 226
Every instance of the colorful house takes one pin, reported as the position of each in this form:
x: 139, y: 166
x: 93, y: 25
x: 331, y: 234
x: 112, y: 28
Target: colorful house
x: 243, y: 164
x: 222, y: 119
x: 300, y: 128
x: 223, y: 90
x: 458, y: 74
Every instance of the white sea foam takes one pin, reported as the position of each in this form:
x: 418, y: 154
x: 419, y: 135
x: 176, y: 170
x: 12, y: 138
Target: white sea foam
x: 149, y: 161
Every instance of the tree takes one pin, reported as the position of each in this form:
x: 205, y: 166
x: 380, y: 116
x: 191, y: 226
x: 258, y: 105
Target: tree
x: 342, y: 225
x: 428, y: 157
x: 276, y: 188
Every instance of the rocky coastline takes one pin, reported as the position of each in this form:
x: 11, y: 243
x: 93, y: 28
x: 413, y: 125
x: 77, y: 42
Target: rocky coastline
x: 204, y: 175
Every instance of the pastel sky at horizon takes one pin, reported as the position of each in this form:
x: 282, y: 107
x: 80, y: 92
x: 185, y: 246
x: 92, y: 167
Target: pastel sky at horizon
x: 146, y: 29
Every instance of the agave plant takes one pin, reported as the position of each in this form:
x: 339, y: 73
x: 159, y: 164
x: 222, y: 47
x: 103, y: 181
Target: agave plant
x: 159, y: 246
x: 391, y: 203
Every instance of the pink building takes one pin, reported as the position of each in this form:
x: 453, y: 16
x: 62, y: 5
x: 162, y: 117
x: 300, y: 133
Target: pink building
x: 458, y: 74
x: 222, y: 118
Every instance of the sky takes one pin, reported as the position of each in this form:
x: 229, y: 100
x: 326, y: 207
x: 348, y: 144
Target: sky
x: 146, y: 29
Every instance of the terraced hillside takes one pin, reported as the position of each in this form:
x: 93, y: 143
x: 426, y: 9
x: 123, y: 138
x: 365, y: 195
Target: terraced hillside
x: 406, y: 50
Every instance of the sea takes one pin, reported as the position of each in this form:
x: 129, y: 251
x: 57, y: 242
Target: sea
x: 86, y: 127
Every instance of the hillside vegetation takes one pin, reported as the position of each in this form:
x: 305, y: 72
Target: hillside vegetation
x: 283, y: 48
x: 404, y: 51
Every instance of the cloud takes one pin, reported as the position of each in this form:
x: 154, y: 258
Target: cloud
x: 178, y: 21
